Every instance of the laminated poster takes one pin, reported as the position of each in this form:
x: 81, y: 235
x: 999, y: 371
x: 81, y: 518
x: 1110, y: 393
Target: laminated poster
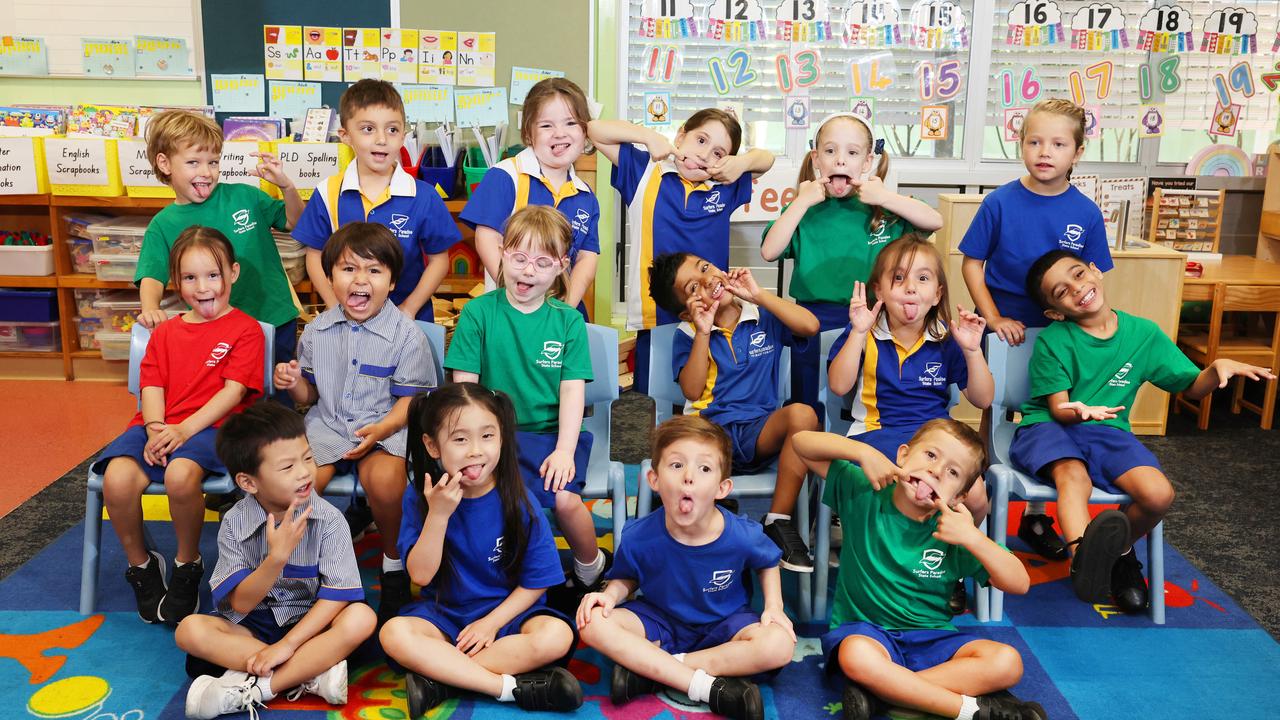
x: 322, y: 54
x: 21, y: 55
x: 361, y: 54
x: 524, y: 78
x: 292, y: 100
x: 163, y: 56
x: 438, y: 57
x: 282, y: 51
x: 399, y: 55
x: 483, y: 107
x: 477, y: 58
x: 238, y: 93
x: 106, y: 57
x: 428, y: 103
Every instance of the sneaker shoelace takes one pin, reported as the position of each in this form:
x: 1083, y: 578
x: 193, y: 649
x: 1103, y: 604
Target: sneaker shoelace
x: 241, y: 698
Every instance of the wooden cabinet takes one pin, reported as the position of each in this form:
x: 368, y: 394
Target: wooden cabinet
x: 1269, y: 228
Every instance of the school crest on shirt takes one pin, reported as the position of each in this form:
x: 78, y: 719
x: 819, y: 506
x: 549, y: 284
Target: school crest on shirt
x: 244, y: 221
x: 933, y: 376
x: 551, y: 355
x: 1072, y: 238
x: 720, y: 580
x: 1121, y: 379
x: 581, y: 222
x: 713, y: 204
x: 495, y: 555
x: 400, y: 225
x: 930, y: 565
x: 760, y: 344
x: 218, y: 352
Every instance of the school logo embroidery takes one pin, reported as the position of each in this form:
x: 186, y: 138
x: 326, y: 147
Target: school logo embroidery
x: 712, y: 204
x: 1120, y: 379
x: 581, y: 222
x: 552, y: 350
x: 244, y: 223
x: 757, y: 339
x: 1071, y: 237
x: 399, y: 223
x: 496, y: 553
x: 930, y: 562
x: 880, y: 236
x: 930, y: 377
x: 720, y: 580
x: 219, y: 351
x: 760, y: 345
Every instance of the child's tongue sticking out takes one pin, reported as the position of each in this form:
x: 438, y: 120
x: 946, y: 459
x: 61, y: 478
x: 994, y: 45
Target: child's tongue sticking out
x: 472, y: 472
x: 686, y: 504
x: 910, y: 311
x: 839, y: 185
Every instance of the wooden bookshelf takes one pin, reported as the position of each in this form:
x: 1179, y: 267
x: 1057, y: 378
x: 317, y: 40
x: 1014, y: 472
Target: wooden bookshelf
x: 1186, y: 220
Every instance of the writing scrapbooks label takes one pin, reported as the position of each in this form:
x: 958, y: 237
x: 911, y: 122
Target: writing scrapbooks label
x: 238, y: 163
x: 78, y: 162
x: 135, y: 169
x: 18, y: 172
x: 309, y: 163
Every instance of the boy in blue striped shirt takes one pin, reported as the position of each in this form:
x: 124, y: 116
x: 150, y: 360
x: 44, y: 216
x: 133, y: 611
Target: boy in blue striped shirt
x: 286, y: 586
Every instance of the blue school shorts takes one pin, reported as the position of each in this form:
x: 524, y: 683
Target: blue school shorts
x: 533, y: 448
x: 743, y: 435
x: 675, y: 636
x: 198, y: 448
x: 1108, y: 452
x: 887, y: 440
x: 450, y: 622
x: 261, y: 622
x: 915, y: 650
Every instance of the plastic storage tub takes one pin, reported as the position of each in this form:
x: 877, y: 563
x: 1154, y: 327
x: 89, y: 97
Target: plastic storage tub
x: 78, y: 223
x: 21, y: 336
x: 29, y: 260
x: 118, y: 236
x: 473, y: 168
x: 86, y: 328
x: 81, y: 250
x: 39, y: 306
x: 114, y: 345
x: 115, y: 267
x: 119, y: 310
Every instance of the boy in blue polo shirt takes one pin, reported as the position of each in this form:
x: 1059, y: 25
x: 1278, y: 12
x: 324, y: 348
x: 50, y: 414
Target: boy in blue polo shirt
x: 374, y: 188
x: 726, y: 357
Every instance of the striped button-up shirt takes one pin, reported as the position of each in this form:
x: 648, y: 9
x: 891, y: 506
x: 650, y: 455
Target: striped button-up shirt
x: 360, y: 370
x: 321, y: 567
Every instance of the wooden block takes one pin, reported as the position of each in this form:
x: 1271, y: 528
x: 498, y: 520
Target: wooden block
x: 626, y: 346
x: 478, y: 290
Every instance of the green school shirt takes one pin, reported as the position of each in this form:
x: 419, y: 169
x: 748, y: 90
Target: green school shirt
x: 1103, y: 372
x: 525, y: 356
x: 245, y: 214
x: 893, y: 572
x: 833, y: 246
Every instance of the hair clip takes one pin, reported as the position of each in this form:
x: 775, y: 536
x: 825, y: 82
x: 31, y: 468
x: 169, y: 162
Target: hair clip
x: 879, y: 146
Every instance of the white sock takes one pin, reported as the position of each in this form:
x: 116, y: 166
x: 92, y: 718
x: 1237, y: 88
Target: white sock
x: 177, y: 564
x: 264, y: 687
x: 968, y: 708
x: 774, y: 517
x: 678, y: 656
x: 700, y: 686
x: 146, y: 564
x: 1036, y: 508
x: 508, y: 689
x: 389, y: 565
x: 588, y: 573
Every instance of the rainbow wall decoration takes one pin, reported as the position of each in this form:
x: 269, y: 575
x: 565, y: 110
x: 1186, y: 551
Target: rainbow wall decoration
x: 1221, y: 160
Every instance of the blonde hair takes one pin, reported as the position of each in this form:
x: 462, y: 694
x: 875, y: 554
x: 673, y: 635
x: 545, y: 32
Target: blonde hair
x: 546, y: 91
x: 901, y: 253
x: 967, y: 437
x: 882, y: 167
x: 174, y: 130
x: 1058, y: 106
x: 547, y: 231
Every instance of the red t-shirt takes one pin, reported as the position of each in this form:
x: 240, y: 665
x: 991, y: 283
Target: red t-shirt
x: 192, y: 362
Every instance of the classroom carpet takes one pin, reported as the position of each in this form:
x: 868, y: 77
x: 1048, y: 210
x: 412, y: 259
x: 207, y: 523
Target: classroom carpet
x: 1211, y: 660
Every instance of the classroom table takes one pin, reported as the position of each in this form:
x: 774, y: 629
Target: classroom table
x: 1230, y: 270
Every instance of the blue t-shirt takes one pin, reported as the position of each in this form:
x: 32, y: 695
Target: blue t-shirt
x: 517, y: 182
x: 903, y: 387
x: 1015, y: 226
x: 476, y: 582
x: 697, y: 584
x: 410, y: 209
x: 742, y: 380
x: 666, y: 214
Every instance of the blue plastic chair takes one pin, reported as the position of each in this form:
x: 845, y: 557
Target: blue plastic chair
x: 213, y: 484
x: 1009, y: 366
x: 347, y: 484
x: 605, y: 478
x: 666, y: 393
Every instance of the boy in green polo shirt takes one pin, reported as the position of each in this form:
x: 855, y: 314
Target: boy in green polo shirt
x: 908, y: 539
x: 184, y: 149
x: 1085, y: 372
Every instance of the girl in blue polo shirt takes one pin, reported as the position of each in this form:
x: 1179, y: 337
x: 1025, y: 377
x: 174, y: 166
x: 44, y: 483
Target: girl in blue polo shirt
x: 1015, y: 225
x: 554, y: 129
x: 679, y: 197
x: 484, y: 555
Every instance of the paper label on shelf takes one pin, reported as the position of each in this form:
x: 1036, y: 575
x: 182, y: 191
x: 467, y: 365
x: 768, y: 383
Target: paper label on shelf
x: 135, y: 169
x: 309, y: 163
x: 18, y: 167
x: 78, y: 162
x: 238, y: 163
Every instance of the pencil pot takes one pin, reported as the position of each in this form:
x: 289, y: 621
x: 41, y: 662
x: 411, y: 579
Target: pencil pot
x: 473, y: 168
x: 435, y: 169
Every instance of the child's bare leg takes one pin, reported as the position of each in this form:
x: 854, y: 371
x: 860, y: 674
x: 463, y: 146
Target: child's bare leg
x: 1074, y: 487
x: 382, y: 475
x: 324, y: 473
x: 218, y: 640
x: 542, y: 640
x: 579, y: 529
x: 1152, y: 496
x: 620, y: 637
x: 123, y: 483
x: 775, y: 438
x: 186, y: 505
x: 353, y: 625
x: 866, y: 662
x: 978, y: 668
x: 756, y: 648
x: 421, y: 647
x: 976, y: 501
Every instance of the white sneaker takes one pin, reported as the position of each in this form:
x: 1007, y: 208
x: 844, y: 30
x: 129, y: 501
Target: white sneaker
x: 235, y: 691
x: 330, y: 685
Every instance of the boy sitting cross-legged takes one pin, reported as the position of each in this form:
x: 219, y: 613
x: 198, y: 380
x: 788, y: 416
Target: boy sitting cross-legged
x: 694, y: 629
x: 1084, y: 373
x: 908, y: 538
x: 286, y: 585
x: 726, y: 357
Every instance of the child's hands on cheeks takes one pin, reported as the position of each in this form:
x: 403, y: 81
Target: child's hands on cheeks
x: 444, y: 495
x: 728, y: 169
x: 477, y: 636
x: 872, y: 190
x: 967, y: 329
x: 661, y: 149
x: 286, y: 375
x: 742, y: 284
x: 590, y: 601
x: 955, y: 525
x: 881, y: 472
x: 812, y: 192
x: 701, y: 315
x: 860, y: 317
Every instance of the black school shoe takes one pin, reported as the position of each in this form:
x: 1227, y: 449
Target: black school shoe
x: 183, y: 597
x: 1037, y: 532
x: 1096, y: 554
x: 1004, y: 706
x: 626, y: 686
x: 1128, y: 587
x: 551, y: 688
x: 859, y: 704
x: 359, y: 517
x: 566, y: 596
x: 396, y: 593
x: 959, y: 600
x: 736, y: 698
x: 148, y: 586
x: 424, y: 693
x: 795, y: 554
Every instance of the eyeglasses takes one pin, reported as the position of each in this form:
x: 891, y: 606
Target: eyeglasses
x: 520, y: 260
